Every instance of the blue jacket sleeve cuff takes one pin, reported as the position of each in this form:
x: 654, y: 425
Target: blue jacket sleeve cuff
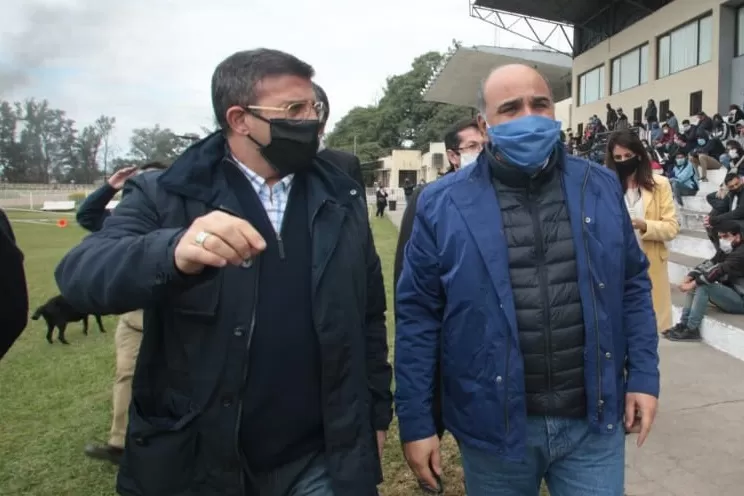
x: 643, y: 383
x: 416, y: 431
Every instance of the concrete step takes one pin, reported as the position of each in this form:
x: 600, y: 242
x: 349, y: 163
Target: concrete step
x: 715, y: 177
x: 692, y: 242
x: 696, y: 203
x: 691, y: 219
x: 722, y: 331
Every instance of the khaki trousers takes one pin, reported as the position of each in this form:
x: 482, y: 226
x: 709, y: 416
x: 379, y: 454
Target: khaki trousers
x: 127, y: 340
x: 706, y: 163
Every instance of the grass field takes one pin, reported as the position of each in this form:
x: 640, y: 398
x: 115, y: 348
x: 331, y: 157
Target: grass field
x: 54, y: 398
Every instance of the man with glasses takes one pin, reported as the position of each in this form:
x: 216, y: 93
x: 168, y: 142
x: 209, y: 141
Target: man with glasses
x: 463, y: 143
x: 263, y: 366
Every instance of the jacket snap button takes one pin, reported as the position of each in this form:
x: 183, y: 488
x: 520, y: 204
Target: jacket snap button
x: 353, y: 192
x: 608, y: 355
x: 610, y: 426
x: 601, y: 285
x: 238, y: 331
x: 499, y: 379
x: 587, y: 220
x: 139, y: 441
x: 247, y: 264
x: 227, y: 401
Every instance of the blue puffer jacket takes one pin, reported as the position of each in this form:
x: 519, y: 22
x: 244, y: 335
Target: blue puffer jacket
x: 454, y: 303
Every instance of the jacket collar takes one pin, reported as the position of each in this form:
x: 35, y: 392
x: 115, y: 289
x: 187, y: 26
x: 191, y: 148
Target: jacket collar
x: 198, y: 174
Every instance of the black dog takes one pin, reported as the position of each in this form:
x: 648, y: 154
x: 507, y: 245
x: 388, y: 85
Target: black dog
x: 58, y: 313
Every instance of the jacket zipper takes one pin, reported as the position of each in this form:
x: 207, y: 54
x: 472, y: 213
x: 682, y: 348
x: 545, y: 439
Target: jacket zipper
x: 249, y: 340
x: 600, y: 401
x: 544, y: 293
x: 506, y: 381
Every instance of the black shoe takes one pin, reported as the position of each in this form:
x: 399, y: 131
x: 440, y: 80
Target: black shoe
x: 104, y: 452
x: 685, y: 334
x: 676, y: 327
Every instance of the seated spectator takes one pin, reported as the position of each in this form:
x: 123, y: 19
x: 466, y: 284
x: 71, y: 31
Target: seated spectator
x: 728, y: 207
x: 735, y: 114
x: 707, y: 148
x: 656, y: 167
x: 739, y: 132
x: 735, y: 152
x: 667, y: 137
x: 704, y: 122
x: 689, y: 131
x: 671, y: 121
x: 720, y: 128
x: 684, y: 180
x: 719, y: 281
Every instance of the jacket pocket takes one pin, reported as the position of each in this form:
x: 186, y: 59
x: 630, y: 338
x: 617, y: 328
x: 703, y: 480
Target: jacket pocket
x: 161, y: 451
x: 200, y: 300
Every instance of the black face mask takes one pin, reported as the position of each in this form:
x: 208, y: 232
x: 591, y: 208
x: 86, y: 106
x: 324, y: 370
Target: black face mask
x: 627, y: 168
x: 293, y: 145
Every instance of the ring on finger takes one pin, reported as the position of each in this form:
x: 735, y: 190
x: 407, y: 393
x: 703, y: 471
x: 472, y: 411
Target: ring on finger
x: 201, y: 237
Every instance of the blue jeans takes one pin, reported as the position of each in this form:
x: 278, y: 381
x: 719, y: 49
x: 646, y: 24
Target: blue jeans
x: 307, y: 476
x: 573, y: 461
x: 721, y: 296
x: 725, y: 160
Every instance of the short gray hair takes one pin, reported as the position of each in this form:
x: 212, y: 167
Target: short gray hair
x: 235, y: 79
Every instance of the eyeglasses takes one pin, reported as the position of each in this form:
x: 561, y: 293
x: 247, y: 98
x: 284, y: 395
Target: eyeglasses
x: 296, y: 111
x: 471, y: 148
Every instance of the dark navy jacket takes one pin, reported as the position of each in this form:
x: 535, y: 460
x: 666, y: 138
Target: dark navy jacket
x: 455, y: 296
x: 183, y: 436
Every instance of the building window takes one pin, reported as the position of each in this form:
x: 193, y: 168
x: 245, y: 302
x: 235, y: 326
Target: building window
x: 637, y: 115
x: 740, y: 32
x: 437, y: 160
x: 663, y: 110
x: 630, y: 70
x: 686, y: 46
x: 696, y: 102
x: 591, y: 85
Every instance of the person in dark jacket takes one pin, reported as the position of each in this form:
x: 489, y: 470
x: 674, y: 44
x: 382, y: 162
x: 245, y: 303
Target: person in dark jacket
x: 14, y: 299
x: 729, y: 208
x: 719, y: 281
x: 524, y: 278
x: 91, y: 215
x: 232, y: 393
x: 347, y: 162
x: 651, y: 114
x: 463, y: 143
x: 611, y: 117
x: 93, y: 211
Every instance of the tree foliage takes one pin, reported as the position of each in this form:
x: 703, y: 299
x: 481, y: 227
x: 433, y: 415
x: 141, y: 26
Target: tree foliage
x: 401, y: 118
x: 41, y: 144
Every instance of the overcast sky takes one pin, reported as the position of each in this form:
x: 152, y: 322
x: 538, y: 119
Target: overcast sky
x: 150, y: 61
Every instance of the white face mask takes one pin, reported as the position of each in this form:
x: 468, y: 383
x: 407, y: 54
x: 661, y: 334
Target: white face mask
x: 726, y: 246
x: 467, y: 159
x: 733, y: 153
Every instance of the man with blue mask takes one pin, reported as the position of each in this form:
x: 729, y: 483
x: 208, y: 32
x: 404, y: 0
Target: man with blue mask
x: 523, y: 278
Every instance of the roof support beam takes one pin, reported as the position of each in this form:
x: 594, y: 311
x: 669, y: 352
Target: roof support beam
x: 495, y: 18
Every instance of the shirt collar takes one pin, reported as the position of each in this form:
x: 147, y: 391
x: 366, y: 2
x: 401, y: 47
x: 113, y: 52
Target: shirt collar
x: 259, y: 181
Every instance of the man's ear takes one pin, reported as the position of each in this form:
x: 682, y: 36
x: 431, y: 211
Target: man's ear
x: 482, y: 125
x: 236, y: 120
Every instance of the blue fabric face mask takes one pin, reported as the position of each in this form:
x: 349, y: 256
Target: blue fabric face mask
x: 681, y: 161
x: 526, y: 142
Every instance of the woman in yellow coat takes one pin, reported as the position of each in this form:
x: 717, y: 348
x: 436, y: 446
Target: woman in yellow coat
x: 649, y: 200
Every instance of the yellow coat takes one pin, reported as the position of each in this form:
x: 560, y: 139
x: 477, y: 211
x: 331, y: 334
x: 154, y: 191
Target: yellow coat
x: 661, y: 225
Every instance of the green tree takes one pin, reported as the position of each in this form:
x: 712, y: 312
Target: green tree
x: 156, y: 144
x: 401, y: 118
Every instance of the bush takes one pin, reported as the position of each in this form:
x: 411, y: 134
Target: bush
x: 77, y: 197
